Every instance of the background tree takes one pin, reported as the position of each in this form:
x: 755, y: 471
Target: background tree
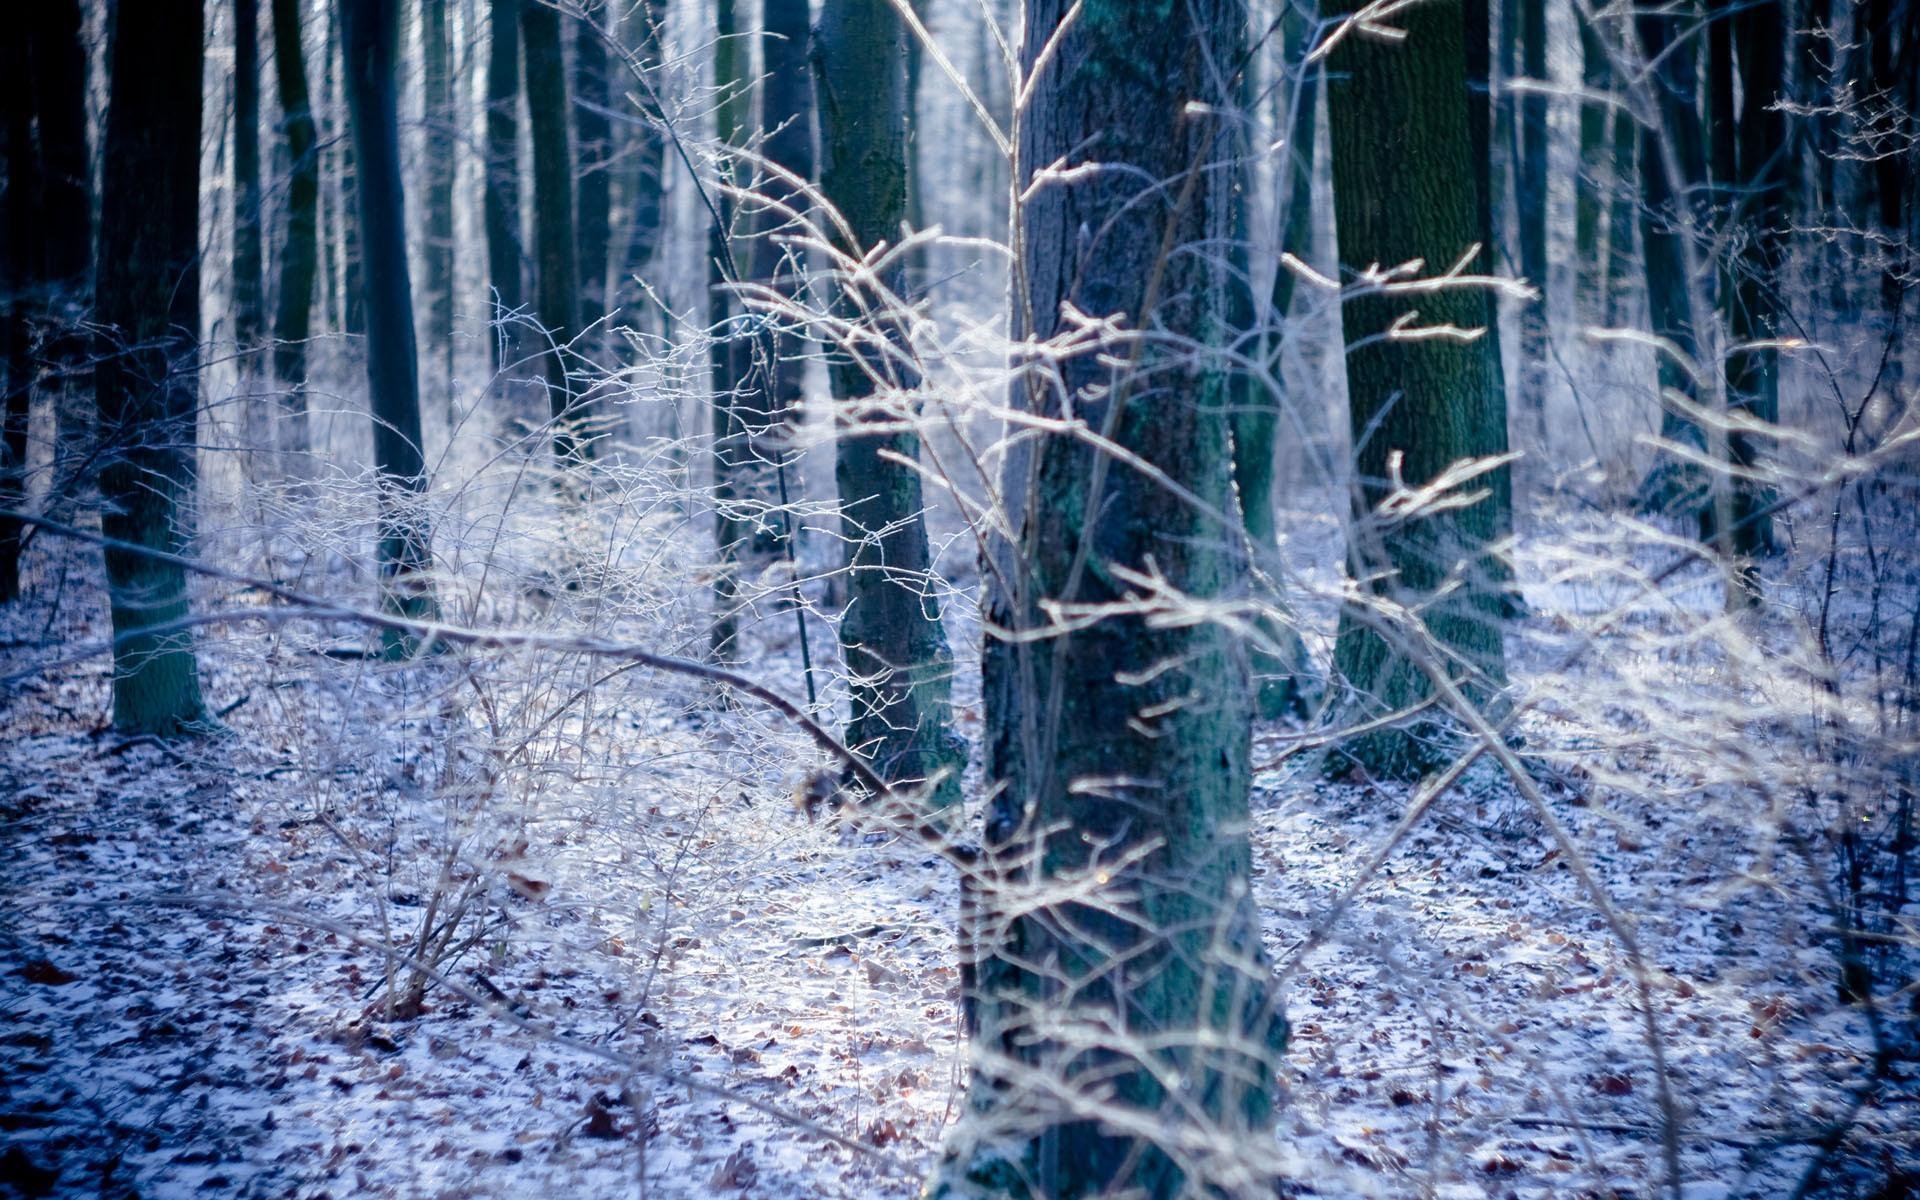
x: 647, y: 155
x: 249, y: 292
x: 505, y: 272
x: 439, y: 121
x: 556, y: 261
x: 1118, y: 745
x: 20, y: 268
x: 1401, y: 142
x: 593, y: 144
x: 732, y: 452
x: 147, y: 297
x: 299, y: 258
x: 1531, y: 202
x: 890, y: 634
x: 57, y: 60
x: 370, y: 36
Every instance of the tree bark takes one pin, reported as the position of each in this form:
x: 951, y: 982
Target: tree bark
x: 1400, y: 121
x: 556, y: 262
x: 249, y: 299
x: 1116, y: 941
x: 505, y: 273
x: 299, y: 261
x: 890, y: 634
x: 146, y: 382
x: 593, y: 143
x: 648, y: 152
x: 57, y: 59
x: 1531, y: 201
x: 21, y: 268
x: 370, y: 36
x: 439, y: 120
x: 726, y: 357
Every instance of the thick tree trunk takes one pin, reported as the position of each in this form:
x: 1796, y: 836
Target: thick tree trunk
x: 370, y: 36
x: 440, y: 121
x: 505, y: 275
x: 146, y: 383
x: 293, y: 309
x: 890, y: 634
x: 1116, y: 941
x: 556, y: 256
x: 353, y: 320
x: 1594, y: 180
x: 1400, y: 122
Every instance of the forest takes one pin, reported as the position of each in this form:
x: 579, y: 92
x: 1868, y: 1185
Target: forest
x: 960, y: 599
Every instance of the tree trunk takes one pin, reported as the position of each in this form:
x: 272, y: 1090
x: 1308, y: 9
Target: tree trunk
x: 1765, y: 169
x: 57, y: 58
x: 556, y: 261
x: 1116, y: 940
x: 1594, y: 180
x: 1281, y: 667
x: 504, y: 256
x: 146, y: 383
x: 731, y: 452
x: 1531, y: 203
x: 293, y: 310
x: 1667, y: 219
x: 1487, y: 186
x: 249, y: 300
x: 21, y: 268
x: 353, y: 320
x: 890, y: 635
x: 593, y: 143
x: 649, y: 154
x: 370, y: 36
x: 440, y: 121
x: 1402, y: 138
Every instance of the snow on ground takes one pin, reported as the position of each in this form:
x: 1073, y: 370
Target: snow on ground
x: 677, y: 986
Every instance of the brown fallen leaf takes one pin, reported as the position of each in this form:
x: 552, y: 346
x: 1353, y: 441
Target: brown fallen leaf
x: 42, y: 971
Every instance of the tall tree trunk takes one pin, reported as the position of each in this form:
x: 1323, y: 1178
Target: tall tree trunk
x: 646, y: 184
x: 593, y: 144
x: 1892, y: 28
x: 1668, y: 218
x: 1488, y: 188
x: 505, y: 274
x: 21, y: 268
x: 917, y: 265
x: 1281, y: 668
x: 57, y: 58
x: 732, y: 455
x: 1401, y: 128
x: 1116, y: 939
x: 146, y: 383
x: 440, y: 121
x: 249, y: 298
x: 353, y: 320
x: 1594, y: 179
x: 293, y: 309
x: 1531, y: 202
x: 370, y: 37
x: 895, y: 648
x: 556, y: 261
x: 769, y: 394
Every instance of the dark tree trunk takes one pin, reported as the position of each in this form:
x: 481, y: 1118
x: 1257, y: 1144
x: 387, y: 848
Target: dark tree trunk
x: 370, y: 36
x: 1893, y: 61
x: 1765, y: 169
x: 1594, y: 180
x: 440, y: 120
x: 648, y: 152
x: 890, y: 635
x: 556, y: 261
x: 1530, y: 201
x: 505, y: 274
x: 146, y: 383
x: 57, y: 58
x: 555, y: 252
x: 353, y: 320
x: 593, y: 143
x: 293, y: 309
x: 768, y: 394
x: 1118, y: 748
x: 1401, y: 123
x: 1487, y: 184
x: 249, y: 298
x: 1674, y: 486
x: 732, y: 456
x: 21, y: 267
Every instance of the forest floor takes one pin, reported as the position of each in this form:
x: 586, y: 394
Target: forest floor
x: 677, y: 986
